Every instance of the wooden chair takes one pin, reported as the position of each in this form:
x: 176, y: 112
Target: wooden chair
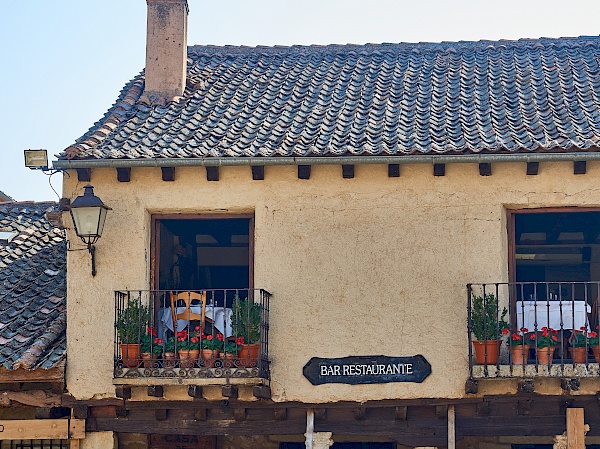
x: 187, y: 314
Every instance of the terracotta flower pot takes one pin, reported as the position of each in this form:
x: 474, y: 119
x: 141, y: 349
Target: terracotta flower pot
x: 520, y: 354
x: 130, y: 354
x: 545, y: 355
x: 209, y: 357
x: 486, y: 352
x: 188, y: 357
x: 169, y: 360
x: 596, y: 352
x: 248, y: 355
x: 579, y: 355
x: 148, y: 359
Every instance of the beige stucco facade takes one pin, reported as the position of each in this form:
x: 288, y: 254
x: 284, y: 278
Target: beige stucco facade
x: 363, y: 266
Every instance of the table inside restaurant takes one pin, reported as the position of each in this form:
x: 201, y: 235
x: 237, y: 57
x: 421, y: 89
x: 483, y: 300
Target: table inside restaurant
x: 537, y: 314
x: 219, y: 316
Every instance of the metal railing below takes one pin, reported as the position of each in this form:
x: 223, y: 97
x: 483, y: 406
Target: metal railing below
x: 148, y: 342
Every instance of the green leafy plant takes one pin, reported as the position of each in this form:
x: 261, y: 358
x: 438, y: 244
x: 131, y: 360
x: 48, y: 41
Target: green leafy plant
x: 233, y: 347
x: 518, y: 338
x: 246, y: 320
x: 581, y: 338
x: 132, y: 321
x: 188, y: 340
x: 170, y: 345
x: 213, y: 343
x: 485, y: 322
x: 548, y: 337
x: 151, y: 344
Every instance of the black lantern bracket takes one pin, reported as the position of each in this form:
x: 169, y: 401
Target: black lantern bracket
x: 89, y: 213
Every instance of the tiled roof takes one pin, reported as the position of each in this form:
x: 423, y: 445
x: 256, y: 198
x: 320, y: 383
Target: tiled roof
x: 534, y: 95
x: 32, y: 287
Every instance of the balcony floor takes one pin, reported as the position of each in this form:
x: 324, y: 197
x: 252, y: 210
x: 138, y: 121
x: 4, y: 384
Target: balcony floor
x: 531, y: 370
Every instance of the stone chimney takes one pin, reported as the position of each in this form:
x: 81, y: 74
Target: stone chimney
x: 166, y: 50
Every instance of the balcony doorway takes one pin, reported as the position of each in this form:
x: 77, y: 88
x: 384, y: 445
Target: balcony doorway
x: 203, y: 252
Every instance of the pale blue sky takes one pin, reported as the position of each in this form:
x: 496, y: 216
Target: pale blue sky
x: 63, y: 62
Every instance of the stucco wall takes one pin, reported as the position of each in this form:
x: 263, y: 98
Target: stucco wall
x: 364, y: 266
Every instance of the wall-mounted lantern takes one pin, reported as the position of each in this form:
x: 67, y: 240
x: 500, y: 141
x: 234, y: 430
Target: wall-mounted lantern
x: 88, y: 213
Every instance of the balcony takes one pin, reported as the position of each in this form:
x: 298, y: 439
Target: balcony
x: 533, y: 329
x: 149, y: 346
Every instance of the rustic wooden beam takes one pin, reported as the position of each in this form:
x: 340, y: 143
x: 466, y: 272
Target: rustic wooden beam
x: 69, y: 401
x: 575, y: 429
x: 168, y: 173
x: 565, y: 404
x: 161, y: 414
x: 280, y: 414
x: 401, y: 413
x: 201, y: 414
x: 124, y: 174
x: 483, y: 408
x: 52, y: 412
x: 35, y: 375
x: 304, y: 171
x: 393, y: 170
x: 123, y: 392
x: 524, y: 406
x: 104, y: 411
x: 42, y: 429
x: 261, y: 392
x: 229, y: 391
x: 533, y: 168
x: 80, y: 411
x: 195, y: 391
x: 439, y: 169
x: 212, y: 173
x: 360, y: 413
x: 239, y: 414
x: 155, y: 391
x: 485, y: 169
x: 347, y: 171
x: 258, y: 172
x: 34, y: 398
x: 121, y: 412
x: 320, y: 413
x: 441, y: 411
x: 579, y: 167
x: 84, y: 174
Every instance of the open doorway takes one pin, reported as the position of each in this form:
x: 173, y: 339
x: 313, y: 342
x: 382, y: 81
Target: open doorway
x: 203, y: 253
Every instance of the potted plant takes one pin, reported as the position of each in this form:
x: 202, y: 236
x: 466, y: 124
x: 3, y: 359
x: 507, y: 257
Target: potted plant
x: 131, y: 322
x: 151, y: 347
x: 169, y: 350
x: 579, y: 342
x: 519, y: 346
x: 232, y: 348
x: 188, y: 347
x: 211, y: 345
x: 546, y: 344
x: 246, y: 324
x: 487, y: 327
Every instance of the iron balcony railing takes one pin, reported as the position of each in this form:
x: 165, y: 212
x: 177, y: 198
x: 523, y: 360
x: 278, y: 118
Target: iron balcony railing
x: 161, y: 333
x: 526, y: 329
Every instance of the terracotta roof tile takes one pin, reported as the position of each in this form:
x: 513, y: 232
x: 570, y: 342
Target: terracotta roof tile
x: 32, y: 288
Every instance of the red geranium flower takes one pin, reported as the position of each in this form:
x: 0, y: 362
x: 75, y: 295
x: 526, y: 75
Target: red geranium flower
x: 240, y: 340
x: 220, y: 336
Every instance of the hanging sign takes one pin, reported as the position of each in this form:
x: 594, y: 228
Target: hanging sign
x: 371, y: 369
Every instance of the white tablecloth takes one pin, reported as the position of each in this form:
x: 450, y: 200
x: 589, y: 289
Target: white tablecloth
x: 220, y: 316
x: 542, y: 310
